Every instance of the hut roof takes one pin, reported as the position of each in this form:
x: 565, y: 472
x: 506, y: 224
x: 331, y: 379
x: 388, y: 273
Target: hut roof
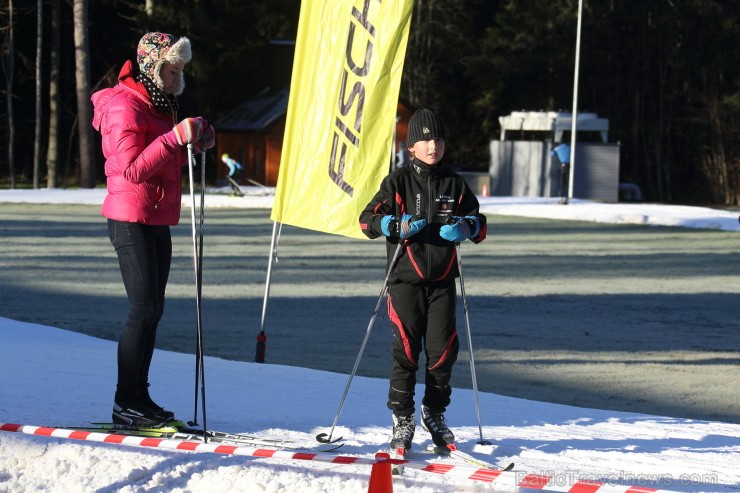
x: 257, y: 113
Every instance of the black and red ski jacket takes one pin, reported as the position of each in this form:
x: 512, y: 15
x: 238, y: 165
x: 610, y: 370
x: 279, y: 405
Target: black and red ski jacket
x: 435, y: 193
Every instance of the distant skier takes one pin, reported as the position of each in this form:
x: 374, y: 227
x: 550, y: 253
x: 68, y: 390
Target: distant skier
x: 235, y: 171
x: 562, y: 152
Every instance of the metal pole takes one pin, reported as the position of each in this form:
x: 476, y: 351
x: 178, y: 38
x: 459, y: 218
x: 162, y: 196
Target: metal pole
x: 199, y: 297
x: 259, y: 356
x: 197, y: 256
x: 574, y: 118
x: 470, y: 346
x: 191, y: 183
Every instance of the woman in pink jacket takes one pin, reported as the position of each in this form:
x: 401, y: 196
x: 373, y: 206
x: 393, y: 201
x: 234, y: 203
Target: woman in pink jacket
x: 144, y: 149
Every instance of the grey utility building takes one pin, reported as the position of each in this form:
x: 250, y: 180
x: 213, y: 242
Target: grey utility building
x: 523, y: 163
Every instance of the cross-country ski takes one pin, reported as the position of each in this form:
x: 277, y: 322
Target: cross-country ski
x: 178, y: 431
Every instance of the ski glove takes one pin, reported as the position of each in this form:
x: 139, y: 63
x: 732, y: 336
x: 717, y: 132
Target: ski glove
x: 403, y: 227
x: 208, y: 140
x: 189, y: 130
x: 460, y: 228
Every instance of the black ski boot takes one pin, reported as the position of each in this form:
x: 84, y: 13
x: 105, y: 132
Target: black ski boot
x: 136, y: 416
x: 435, y: 424
x: 153, y: 407
x: 404, y: 428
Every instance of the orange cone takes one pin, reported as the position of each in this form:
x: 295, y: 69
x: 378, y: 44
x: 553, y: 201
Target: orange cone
x: 380, y: 475
x: 484, y: 191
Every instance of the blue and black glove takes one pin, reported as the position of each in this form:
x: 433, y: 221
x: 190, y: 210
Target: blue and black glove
x: 403, y: 227
x: 460, y: 228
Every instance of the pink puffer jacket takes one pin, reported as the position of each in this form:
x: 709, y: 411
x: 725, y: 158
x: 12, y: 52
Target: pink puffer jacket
x: 143, y: 162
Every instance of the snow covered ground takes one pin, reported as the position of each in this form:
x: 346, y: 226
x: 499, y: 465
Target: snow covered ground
x: 54, y: 377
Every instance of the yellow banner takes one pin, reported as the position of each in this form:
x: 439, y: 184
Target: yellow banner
x: 341, y: 112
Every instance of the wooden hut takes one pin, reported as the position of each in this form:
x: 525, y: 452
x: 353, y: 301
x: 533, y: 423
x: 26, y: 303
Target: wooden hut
x: 252, y: 133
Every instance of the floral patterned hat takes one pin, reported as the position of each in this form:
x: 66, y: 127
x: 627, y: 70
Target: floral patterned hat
x: 155, y: 49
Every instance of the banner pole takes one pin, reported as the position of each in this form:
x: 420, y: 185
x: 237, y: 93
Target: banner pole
x: 262, y: 337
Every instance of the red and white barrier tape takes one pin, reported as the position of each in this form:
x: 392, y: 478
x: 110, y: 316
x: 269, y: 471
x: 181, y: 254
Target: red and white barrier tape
x: 511, y: 480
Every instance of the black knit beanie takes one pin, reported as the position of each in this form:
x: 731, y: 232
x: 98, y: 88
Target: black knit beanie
x: 425, y: 125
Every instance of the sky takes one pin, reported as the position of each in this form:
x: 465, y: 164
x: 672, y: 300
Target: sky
x: 53, y: 377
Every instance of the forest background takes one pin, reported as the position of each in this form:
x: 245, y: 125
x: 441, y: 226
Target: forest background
x: 666, y: 73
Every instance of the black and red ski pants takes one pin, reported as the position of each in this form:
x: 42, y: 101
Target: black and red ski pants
x: 422, y: 317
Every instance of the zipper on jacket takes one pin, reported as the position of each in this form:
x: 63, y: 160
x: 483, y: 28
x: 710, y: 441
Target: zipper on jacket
x: 430, y: 218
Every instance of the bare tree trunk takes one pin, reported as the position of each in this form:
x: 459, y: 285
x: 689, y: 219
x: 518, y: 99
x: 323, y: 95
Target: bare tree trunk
x: 714, y: 157
x: 9, y: 71
x: 52, y: 150
x: 38, y: 137
x: 84, y: 106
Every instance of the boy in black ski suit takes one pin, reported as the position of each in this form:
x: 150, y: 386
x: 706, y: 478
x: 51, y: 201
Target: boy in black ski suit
x: 425, y: 209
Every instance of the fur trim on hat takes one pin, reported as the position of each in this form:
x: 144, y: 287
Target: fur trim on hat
x: 156, y: 49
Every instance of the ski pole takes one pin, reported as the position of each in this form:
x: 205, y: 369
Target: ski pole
x: 191, y: 187
x: 470, y: 345
x: 323, y: 437
x: 200, y: 289
x: 256, y: 183
x: 197, y: 255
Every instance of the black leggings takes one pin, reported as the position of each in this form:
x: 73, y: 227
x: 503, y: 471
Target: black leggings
x: 144, y: 256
